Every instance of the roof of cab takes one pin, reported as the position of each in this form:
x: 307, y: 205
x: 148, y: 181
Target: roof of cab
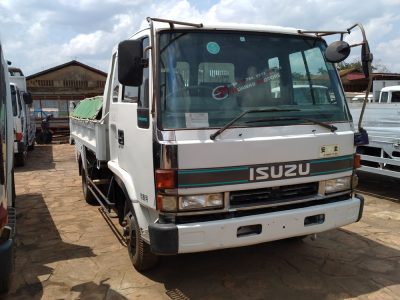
x: 158, y: 26
x: 392, y: 88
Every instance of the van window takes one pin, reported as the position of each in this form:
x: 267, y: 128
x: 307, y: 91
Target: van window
x: 384, y: 97
x: 396, y: 96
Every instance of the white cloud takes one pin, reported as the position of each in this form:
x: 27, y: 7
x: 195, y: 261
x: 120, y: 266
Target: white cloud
x: 39, y: 34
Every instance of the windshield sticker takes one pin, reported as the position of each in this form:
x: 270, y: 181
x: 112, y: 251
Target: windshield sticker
x: 213, y: 47
x: 196, y: 120
x: 222, y: 92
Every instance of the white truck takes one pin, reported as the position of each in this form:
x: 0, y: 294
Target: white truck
x: 7, y: 192
x: 24, y: 123
x: 382, y: 121
x: 194, y: 149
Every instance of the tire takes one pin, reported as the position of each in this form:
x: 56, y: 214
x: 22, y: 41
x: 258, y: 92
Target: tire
x: 47, y: 137
x: 4, y: 285
x: 139, y: 251
x: 13, y: 195
x: 87, y: 194
x: 20, y: 159
x: 31, y: 147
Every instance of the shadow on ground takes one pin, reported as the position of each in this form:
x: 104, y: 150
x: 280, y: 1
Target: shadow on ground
x: 38, y: 247
x: 380, y: 185
x: 339, y: 264
x: 41, y: 158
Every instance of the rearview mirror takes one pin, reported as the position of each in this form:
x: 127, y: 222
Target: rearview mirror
x: 337, y: 51
x: 130, y: 65
x: 366, y: 59
x: 27, y: 98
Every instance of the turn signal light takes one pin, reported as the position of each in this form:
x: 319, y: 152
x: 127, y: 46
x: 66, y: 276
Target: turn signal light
x: 357, y: 161
x: 165, y: 179
x: 18, y: 136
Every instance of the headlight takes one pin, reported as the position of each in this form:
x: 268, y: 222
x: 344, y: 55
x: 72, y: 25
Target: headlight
x: 337, y: 185
x: 201, y: 201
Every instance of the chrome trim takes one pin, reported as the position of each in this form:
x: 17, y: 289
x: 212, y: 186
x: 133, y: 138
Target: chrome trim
x: 166, y: 136
x: 168, y: 156
x: 316, y: 198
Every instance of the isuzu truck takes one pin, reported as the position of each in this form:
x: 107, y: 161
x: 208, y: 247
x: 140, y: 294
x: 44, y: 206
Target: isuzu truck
x: 203, y: 140
x: 7, y: 192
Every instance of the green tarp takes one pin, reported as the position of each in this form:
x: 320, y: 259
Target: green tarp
x: 88, y: 108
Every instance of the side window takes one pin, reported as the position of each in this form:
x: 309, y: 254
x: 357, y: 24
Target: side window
x: 301, y: 85
x: 275, y: 81
x: 395, y: 96
x: 144, y: 88
x: 115, y: 82
x: 384, y: 97
x: 143, y: 111
x: 14, y: 100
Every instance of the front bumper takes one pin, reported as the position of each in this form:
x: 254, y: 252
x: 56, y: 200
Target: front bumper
x: 6, y: 254
x: 169, y: 239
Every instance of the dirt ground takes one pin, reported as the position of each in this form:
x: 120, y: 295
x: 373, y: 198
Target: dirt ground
x: 66, y: 249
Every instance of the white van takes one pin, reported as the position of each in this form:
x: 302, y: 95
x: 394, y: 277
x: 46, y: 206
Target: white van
x: 390, y: 94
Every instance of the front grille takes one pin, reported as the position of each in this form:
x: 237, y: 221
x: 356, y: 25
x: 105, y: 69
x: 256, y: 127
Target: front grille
x: 275, y: 195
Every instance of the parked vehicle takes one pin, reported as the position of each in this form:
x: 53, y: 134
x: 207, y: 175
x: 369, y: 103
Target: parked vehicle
x: 18, y: 78
x: 193, y: 149
x: 21, y: 131
x: 381, y: 120
x: 7, y: 193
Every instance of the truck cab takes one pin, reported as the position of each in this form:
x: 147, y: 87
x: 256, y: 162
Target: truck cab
x: 201, y: 150
x: 20, y: 115
x: 7, y: 211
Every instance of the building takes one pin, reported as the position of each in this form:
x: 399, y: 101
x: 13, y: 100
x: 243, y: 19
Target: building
x: 54, y: 89
x: 354, y: 82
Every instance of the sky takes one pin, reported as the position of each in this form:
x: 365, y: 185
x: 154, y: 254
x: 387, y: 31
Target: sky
x: 40, y: 34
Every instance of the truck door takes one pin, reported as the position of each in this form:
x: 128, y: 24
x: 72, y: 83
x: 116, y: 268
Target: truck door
x: 134, y: 133
x: 3, y: 145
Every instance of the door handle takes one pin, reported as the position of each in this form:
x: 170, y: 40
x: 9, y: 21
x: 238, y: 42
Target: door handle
x: 121, y: 139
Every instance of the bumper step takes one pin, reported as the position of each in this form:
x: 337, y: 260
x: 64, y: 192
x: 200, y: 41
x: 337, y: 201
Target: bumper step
x: 12, y: 219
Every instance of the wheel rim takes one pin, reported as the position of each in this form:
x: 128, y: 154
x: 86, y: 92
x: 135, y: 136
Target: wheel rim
x: 131, y: 238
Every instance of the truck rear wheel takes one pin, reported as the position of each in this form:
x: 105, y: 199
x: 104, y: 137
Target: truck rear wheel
x: 139, y: 251
x: 20, y: 159
x: 87, y: 194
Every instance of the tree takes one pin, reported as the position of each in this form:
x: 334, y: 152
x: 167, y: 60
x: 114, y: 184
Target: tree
x: 356, y: 64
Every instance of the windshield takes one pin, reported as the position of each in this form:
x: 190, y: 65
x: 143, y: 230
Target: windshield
x: 209, y: 78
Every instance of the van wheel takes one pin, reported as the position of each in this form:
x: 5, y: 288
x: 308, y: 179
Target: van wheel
x: 31, y: 147
x: 20, y: 159
x: 139, y: 251
x: 87, y: 194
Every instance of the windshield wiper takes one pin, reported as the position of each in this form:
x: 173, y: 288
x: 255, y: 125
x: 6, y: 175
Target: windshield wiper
x: 329, y: 126
x: 222, y: 129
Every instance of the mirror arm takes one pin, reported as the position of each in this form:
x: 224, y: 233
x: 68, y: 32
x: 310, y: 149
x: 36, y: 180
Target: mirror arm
x: 368, y: 56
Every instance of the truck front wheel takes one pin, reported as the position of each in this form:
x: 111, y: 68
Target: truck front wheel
x: 20, y: 159
x: 87, y: 194
x: 139, y: 251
